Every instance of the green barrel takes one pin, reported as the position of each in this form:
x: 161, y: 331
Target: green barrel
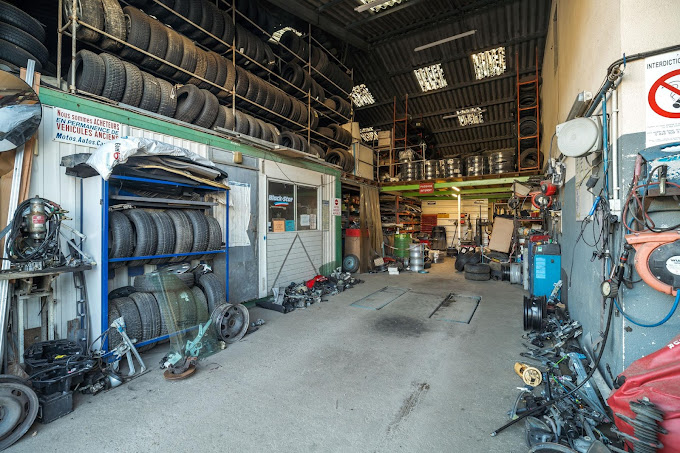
x: 401, y: 244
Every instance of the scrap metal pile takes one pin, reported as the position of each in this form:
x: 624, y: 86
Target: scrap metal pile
x: 573, y: 418
x: 303, y: 295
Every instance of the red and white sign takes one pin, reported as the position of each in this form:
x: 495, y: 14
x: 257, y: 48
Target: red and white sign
x: 427, y: 187
x: 662, y: 77
x: 84, y: 130
x: 336, y: 207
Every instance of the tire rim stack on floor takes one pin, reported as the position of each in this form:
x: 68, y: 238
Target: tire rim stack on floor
x: 416, y: 257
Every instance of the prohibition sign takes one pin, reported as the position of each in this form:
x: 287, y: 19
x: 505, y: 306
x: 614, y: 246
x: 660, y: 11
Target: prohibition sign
x: 662, y: 82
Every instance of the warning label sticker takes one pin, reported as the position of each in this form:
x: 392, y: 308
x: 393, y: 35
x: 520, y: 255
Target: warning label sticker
x: 662, y: 78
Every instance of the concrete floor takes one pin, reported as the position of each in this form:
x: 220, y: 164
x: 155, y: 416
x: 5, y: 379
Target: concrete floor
x: 329, y: 378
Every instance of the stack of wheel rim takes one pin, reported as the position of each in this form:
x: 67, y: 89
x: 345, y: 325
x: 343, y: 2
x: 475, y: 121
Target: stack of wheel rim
x: 410, y: 170
x: 476, y: 165
x: 453, y: 167
x: 430, y: 169
x: 515, y: 273
x: 416, y: 257
x: 501, y: 161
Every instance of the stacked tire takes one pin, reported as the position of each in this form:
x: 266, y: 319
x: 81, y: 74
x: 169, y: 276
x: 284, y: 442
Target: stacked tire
x: 22, y: 38
x: 139, y: 232
x: 163, y: 302
x: 341, y: 157
x: 469, y: 257
x: 477, y: 272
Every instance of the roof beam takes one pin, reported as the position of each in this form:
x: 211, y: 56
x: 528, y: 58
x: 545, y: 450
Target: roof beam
x: 390, y: 10
x: 458, y: 128
x: 328, y: 5
x: 313, y: 17
x: 440, y: 17
x: 472, y: 142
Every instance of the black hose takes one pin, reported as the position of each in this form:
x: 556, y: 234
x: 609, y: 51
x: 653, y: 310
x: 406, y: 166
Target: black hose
x: 552, y: 402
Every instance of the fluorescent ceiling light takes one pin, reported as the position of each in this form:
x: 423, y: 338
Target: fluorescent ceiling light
x: 454, y: 195
x: 362, y: 96
x: 457, y: 189
x: 445, y: 40
x: 489, y: 63
x: 368, y: 134
x: 472, y: 115
x: 276, y: 36
x: 375, y: 5
x: 431, y: 77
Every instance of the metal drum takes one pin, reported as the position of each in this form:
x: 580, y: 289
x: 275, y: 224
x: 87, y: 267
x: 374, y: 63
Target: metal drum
x: 501, y: 161
x: 416, y: 257
x: 401, y: 243
x: 477, y: 165
x: 430, y: 169
x: 453, y: 167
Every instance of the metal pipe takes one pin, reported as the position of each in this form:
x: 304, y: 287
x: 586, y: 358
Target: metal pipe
x: 458, y: 220
x: 615, y: 144
x: 74, y: 25
x: 60, y: 19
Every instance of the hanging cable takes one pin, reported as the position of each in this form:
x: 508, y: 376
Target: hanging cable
x: 637, y: 323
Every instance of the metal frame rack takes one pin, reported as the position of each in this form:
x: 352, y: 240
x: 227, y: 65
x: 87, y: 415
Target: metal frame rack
x: 535, y: 107
x: 69, y: 29
x: 106, y: 197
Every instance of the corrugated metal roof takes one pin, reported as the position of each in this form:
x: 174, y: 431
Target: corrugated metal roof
x: 387, y: 68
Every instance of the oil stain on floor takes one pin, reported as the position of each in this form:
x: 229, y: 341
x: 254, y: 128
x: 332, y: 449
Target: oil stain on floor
x: 409, y: 404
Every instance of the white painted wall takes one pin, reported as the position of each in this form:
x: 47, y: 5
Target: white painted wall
x: 450, y: 207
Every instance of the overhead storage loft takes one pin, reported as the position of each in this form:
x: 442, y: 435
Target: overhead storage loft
x: 360, y: 225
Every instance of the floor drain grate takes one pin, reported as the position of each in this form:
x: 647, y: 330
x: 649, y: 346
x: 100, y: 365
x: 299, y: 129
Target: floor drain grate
x: 456, y: 308
x: 380, y: 298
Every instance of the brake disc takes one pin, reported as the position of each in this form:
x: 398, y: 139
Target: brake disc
x: 231, y: 321
x: 18, y: 410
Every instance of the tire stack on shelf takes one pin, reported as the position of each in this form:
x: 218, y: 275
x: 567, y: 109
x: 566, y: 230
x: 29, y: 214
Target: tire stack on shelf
x: 528, y: 124
x: 453, y: 167
x: 140, y: 232
x: 21, y: 38
x: 501, y: 161
x: 207, y: 77
x: 476, y: 165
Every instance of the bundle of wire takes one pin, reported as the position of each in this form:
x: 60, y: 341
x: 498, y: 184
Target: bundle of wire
x: 18, y: 248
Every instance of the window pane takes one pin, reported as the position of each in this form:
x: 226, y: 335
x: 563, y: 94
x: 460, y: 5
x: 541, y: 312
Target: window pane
x: 281, y: 207
x: 307, y: 208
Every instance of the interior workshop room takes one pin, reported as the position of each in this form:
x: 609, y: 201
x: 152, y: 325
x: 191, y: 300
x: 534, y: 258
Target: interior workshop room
x: 340, y: 226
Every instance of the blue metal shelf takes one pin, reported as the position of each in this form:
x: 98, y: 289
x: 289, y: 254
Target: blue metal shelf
x: 105, y: 248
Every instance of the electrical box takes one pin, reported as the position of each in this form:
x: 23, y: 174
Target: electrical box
x: 546, y: 267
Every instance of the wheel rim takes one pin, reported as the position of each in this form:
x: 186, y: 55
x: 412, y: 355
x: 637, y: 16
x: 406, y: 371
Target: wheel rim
x: 18, y: 410
x: 231, y: 322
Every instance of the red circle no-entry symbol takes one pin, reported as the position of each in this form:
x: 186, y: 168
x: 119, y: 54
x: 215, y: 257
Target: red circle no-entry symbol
x: 675, y: 95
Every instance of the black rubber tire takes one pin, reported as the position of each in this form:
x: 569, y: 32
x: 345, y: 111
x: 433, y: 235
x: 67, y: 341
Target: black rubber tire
x: 14, y: 16
x: 188, y: 63
x: 242, y: 81
x: 157, y: 11
x: 220, y: 73
x: 206, y: 22
x: 206, y: 118
x: 210, y: 71
x: 187, y: 308
x: 168, y: 99
x: 253, y: 126
x: 15, y: 55
x: 202, y: 313
x: 194, y: 13
x: 349, y: 161
x: 461, y: 261
x: 114, y: 24
x: 214, y: 290
x: 114, y: 337
x: 138, y: 31
x: 336, y: 156
x: 123, y: 291
x: 90, y: 72
x: 150, y: 317
x: 229, y: 119
x: 276, y: 134
x: 317, y: 150
x: 200, y: 69
x: 477, y: 277
x: 151, y: 93
x: 229, y: 80
x: 166, y: 236
x: 241, y: 124
x: 221, y: 116
x: 89, y: 11
x: 159, y: 281
x: 350, y: 263
x: 181, y: 271
x: 134, y: 85
x: 120, y: 232
x: 214, y: 236
x: 133, y: 321
x: 158, y: 44
x: 24, y: 40
x: 199, y: 227
x: 114, y: 78
x: 290, y: 139
x: 181, y: 7
x: 477, y: 268
x: 173, y: 53
x: 160, y: 298
x: 229, y: 29
x: 213, y: 22
x: 144, y: 237
x: 183, y: 232
x: 190, y: 102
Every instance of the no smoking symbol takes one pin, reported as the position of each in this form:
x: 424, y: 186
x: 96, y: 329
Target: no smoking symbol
x: 670, y: 89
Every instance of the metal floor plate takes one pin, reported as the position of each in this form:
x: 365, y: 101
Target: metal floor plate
x: 380, y: 298
x: 456, y: 308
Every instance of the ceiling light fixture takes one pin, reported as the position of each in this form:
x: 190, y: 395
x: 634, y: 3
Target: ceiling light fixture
x: 445, y: 40
x: 431, y: 77
x: 373, y: 4
x: 457, y: 189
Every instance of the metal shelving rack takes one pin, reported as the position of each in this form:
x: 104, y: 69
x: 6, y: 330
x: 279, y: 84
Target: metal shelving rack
x: 106, y: 203
x: 69, y: 29
x: 534, y: 108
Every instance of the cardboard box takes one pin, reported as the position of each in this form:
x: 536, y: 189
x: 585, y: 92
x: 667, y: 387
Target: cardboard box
x: 279, y: 226
x: 501, y: 236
